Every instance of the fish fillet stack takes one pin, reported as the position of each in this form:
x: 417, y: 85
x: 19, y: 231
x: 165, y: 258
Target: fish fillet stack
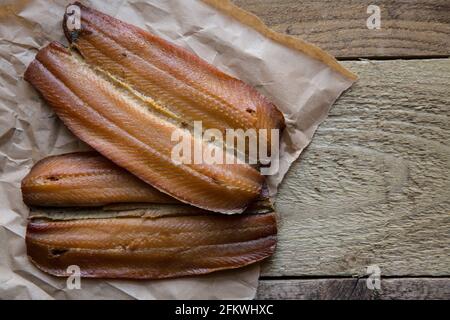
x: 129, y: 211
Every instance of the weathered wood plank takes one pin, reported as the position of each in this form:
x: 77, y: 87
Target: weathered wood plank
x: 408, y: 28
x: 346, y: 289
x: 373, y: 188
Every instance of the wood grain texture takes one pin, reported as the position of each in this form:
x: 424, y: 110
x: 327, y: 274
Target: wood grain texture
x: 346, y: 289
x: 408, y: 27
x: 374, y: 186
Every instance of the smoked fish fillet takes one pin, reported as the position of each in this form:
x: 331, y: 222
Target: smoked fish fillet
x: 134, y: 134
x: 85, y: 179
x: 169, y: 75
x: 150, y: 247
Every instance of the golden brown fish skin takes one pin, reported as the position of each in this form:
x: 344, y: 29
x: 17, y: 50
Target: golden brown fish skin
x: 85, y: 179
x: 171, y: 75
x: 155, y: 248
x: 116, y: 126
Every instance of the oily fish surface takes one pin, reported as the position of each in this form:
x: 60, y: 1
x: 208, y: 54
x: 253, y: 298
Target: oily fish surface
x: 150, y: 240
x: 175, y: 78
x: 134, y: 134
x: 85, y: 179
x: 149, y: 248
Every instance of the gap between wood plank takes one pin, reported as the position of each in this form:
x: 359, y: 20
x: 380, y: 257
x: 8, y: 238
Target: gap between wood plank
x: 355, y: 289
x: 337, y: 277
x: 408, y: 28
x: 387, y: 58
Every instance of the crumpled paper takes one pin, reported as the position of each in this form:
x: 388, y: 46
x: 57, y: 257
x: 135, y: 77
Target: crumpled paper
x: 304, y: 88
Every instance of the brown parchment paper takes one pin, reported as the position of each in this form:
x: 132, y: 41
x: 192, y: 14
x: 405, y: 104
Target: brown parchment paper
x: 300, y: 79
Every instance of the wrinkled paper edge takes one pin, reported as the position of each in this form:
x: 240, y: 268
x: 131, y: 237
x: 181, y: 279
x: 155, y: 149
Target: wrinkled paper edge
x: 20, y: 280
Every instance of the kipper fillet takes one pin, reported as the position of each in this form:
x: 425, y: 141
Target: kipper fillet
x: 172, y: 77
x: 149, y: 247
x: 85, y: 179
x: 134, y: 135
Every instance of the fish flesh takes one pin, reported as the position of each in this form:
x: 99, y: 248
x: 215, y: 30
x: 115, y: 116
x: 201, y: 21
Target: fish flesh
x: 85, y: 179
x: 149, y: 247
x: 162, y: 238
x: 169, y: 75
x: 125, y: 92
x: 134, y: 90
x: 136, y: 137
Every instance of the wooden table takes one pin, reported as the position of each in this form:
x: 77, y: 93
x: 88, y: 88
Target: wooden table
x: 373, y: 188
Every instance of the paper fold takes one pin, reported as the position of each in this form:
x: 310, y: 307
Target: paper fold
x: 301, y: 80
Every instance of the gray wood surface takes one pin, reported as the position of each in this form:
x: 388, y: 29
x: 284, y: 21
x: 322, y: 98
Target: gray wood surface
x: 345, y: 289
x: 373, y: 188
x: 408, y: 27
